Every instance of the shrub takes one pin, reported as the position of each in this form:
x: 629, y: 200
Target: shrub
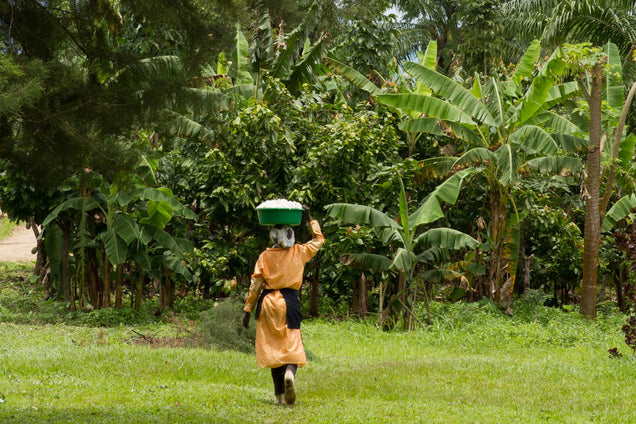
x: 221, y: 327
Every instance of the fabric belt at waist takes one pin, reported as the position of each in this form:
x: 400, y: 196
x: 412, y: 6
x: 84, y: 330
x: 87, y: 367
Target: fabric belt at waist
x: 293, y: 306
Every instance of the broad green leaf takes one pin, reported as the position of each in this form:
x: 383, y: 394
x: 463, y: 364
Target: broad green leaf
x: 185, y: 245
x: 618, y: 211
x: 508, y: 162
x: 626, y: 151
x: 534, y: 100
x: 560, y: 92
x: 448, y: 191
x: 478, y: 154
x: 430, y: 56
x: 306, y: 70
x: 404, y: 215
x: 391, y: 236
x: 351, y: 75
x: 176, y: 264
x: 159, y: 214
x: 404, y: 260
x: 163, y: 239
x: 437, y: 167
x: 446, y: 238
x: 186, y: 127
x: 434, y: 255
x: 476, y: 90
x: 556, y: 164
x: 614, y: 87
x: 422, y: 125
x: 142, y: 258
x: 534, y: 140
x: 126, y: 228
x: 164, y: 194
x: 430, y: 106
x: 570, y: 143
x: 439, y: 274
x: 451, y: 90
x: 239, y: 58
x: 78, y: 203
x: 429, y: 211
x: 116, y: 248
x: 525, y: 67
x: 371, y: 261
x: 555, y: 123
x: 359, y: 214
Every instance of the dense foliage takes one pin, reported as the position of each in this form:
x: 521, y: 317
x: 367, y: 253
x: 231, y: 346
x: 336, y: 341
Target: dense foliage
x: 138, y: 137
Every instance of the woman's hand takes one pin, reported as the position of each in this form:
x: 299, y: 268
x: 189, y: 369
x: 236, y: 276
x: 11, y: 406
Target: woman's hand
x: 246, y: 320
x: 306, y: 209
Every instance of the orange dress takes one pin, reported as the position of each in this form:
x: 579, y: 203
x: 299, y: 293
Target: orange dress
x: 279, y: 268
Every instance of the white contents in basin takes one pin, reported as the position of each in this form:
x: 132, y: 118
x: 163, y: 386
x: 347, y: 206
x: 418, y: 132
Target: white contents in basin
x: 279, y: 204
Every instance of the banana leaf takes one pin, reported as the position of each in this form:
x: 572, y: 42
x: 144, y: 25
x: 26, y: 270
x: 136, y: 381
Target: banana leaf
x: 621, y: 209
x: 525, y: 67
x: 556, y: 123
x: 508, y: 162
x: 115, y: 246
x: 448, y: 191
x: 614, y: 87
x: 403, y: 260
x: 359, y: 214
x: 451, y: 90
x: 446, y: 238
x: 78, y: 203
x: 371, y: 261
x: 351, y: 75
x: 534, y: 140
x: 626, y: 151
x: 306, y: 69
x: 239, y: 56
x: 556, y: 164
x: 126, y: 228
x: 427, y: 105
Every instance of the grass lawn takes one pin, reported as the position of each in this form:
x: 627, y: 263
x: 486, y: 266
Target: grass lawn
x: 482, y: 369
x: 474, y: 365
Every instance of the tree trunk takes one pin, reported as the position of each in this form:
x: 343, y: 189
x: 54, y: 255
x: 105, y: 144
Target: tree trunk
x: 166, y: 292
x: 118, y: 284
x: 359, y: 297
x: 364, y: 296
x: 498, y: 226
x: 139, y: 290
x: 106, y: 283
x: 592, y: 230
x: 66, y: 277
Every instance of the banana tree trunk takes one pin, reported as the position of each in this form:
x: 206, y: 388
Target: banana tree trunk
x: 498, y: 227
x: 66, y: 273
x: 106, y: 282
x: 118, y: 287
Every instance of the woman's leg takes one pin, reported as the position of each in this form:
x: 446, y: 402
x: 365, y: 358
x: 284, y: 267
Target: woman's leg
x: 278, y: 375
x: 290, y: 390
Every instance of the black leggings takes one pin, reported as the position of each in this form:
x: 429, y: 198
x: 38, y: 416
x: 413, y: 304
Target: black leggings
x: 278, y: 375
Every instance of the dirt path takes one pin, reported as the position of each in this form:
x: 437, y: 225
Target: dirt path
x: 17, y: 247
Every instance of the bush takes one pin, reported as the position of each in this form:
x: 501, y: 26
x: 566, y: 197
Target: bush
x: 221, y: 327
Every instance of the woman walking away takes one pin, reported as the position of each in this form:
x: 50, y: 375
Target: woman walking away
x: 277, y: 277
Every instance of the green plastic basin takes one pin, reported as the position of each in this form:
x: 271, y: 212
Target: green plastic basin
x: 279, y: 216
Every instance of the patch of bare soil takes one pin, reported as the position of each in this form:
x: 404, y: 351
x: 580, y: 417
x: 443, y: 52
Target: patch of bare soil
x: 19, y: 246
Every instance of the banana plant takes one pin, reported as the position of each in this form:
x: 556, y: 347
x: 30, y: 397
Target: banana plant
x: 402, y: 234
x: 508, y: 126
x: 128, y: 221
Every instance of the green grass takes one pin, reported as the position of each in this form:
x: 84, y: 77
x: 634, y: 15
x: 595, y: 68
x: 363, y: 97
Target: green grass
x: 6, y: 227
x: 473, y: 366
